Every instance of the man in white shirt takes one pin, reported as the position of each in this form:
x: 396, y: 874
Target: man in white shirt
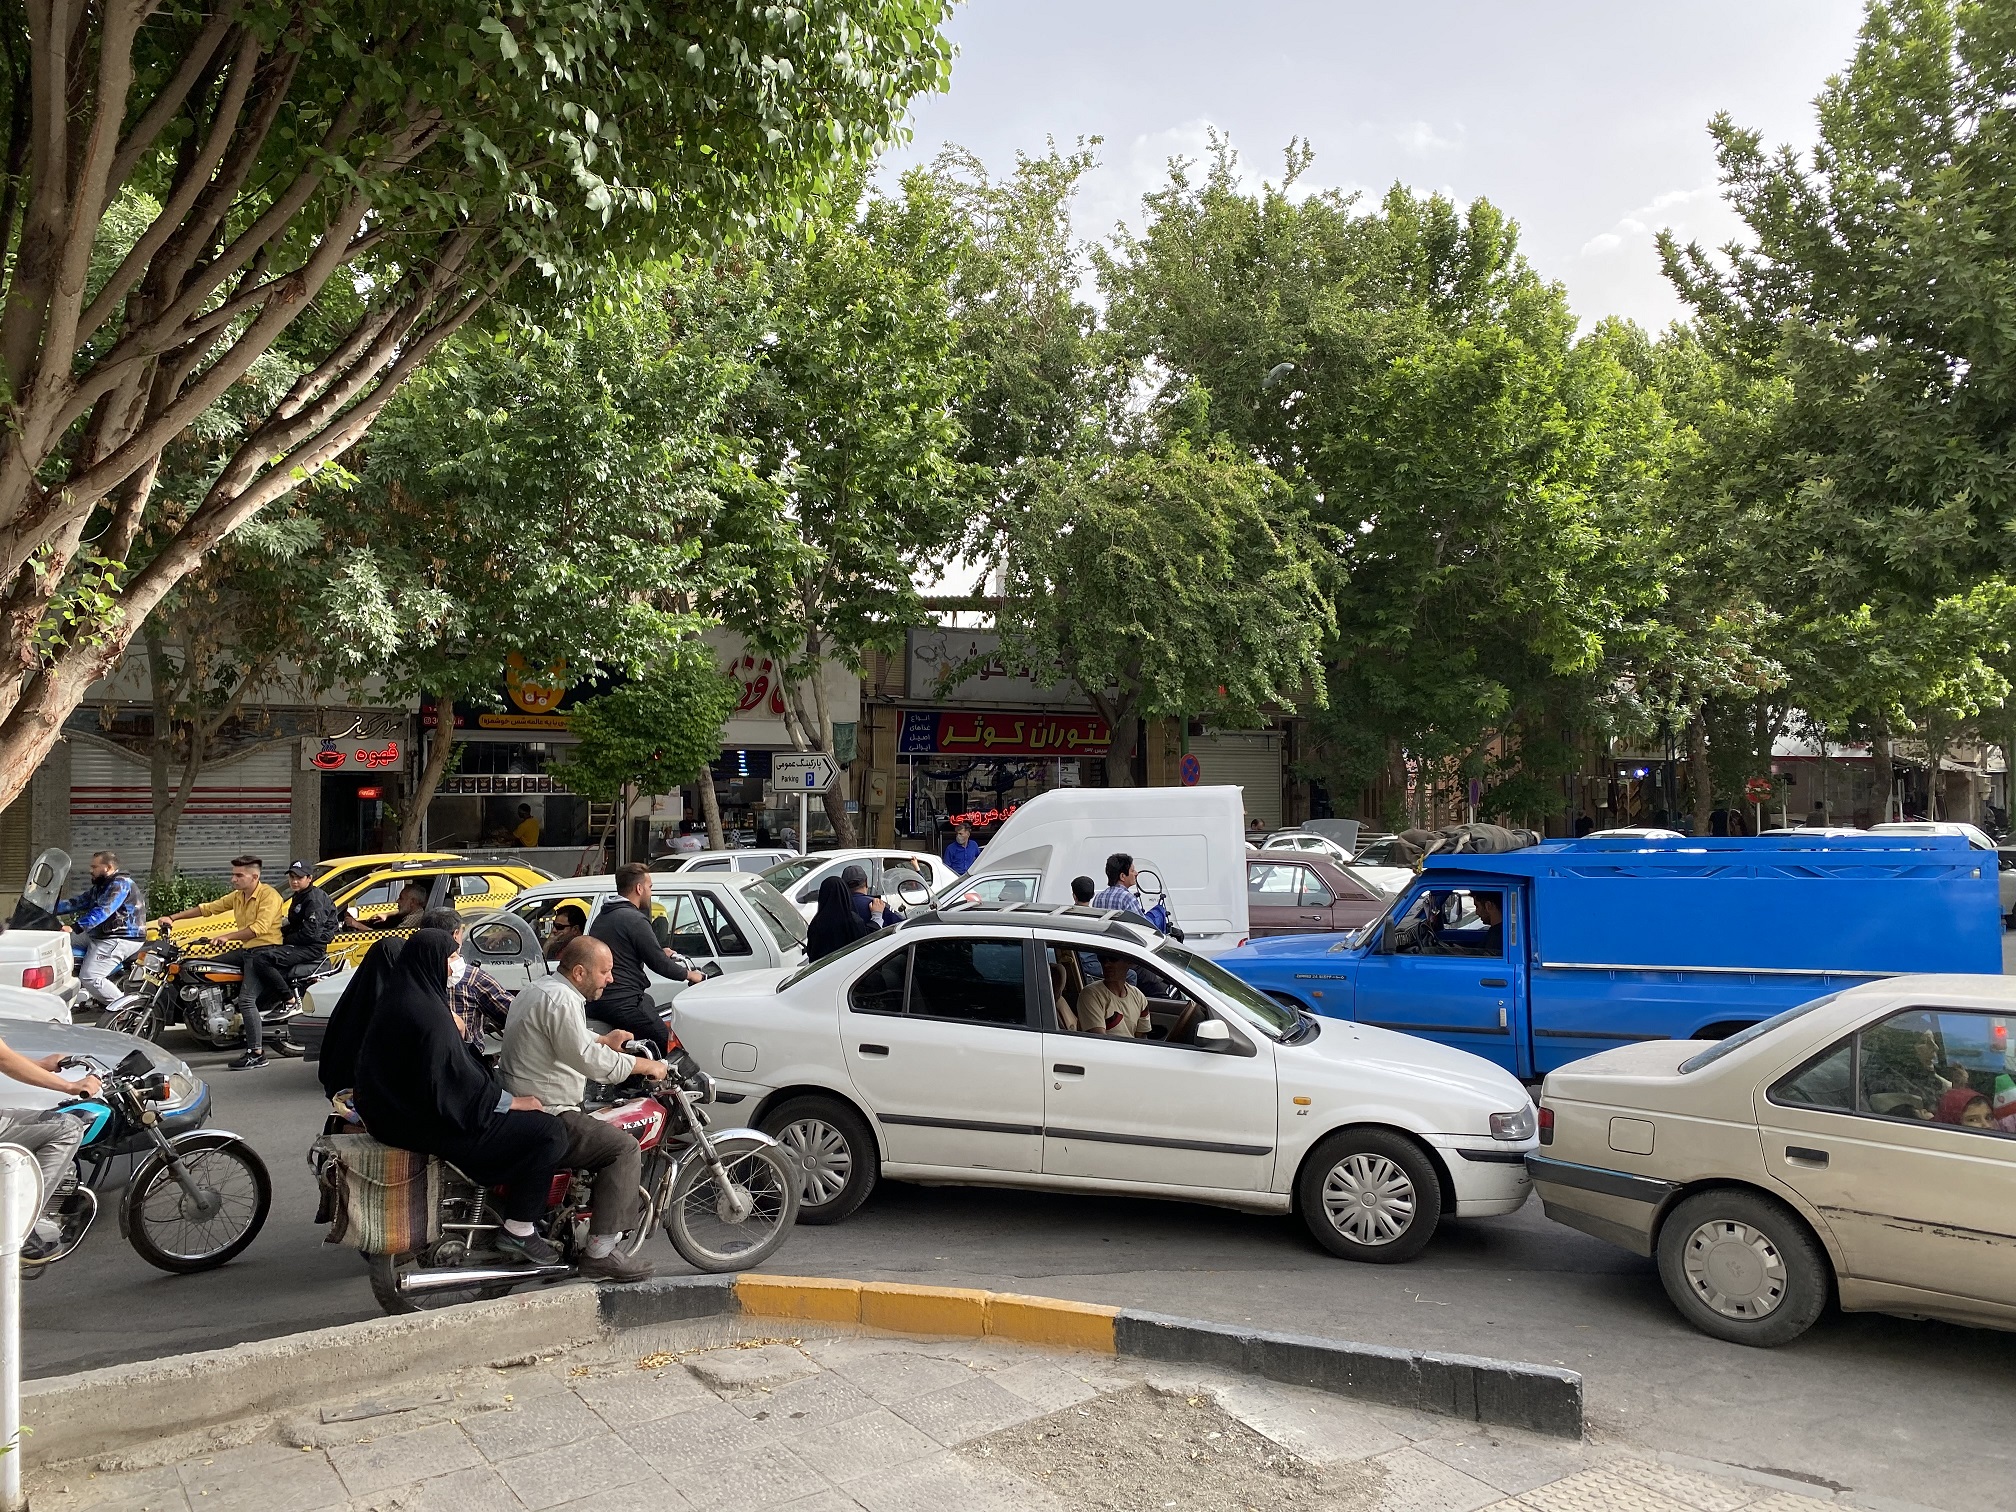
x: 550, y: 1054
x: 1113, y: 1005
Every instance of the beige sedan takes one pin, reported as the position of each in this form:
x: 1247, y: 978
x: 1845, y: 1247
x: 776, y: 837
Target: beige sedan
x: 1862, y: 1145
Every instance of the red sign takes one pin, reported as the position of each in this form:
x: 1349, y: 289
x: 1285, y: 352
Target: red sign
x: 762, y: 688
x: 926, y: 733
x: 329, y: 756
x: 368, y: 794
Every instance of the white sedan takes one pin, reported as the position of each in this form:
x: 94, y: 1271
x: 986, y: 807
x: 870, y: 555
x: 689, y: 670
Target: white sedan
x: 941, y: 1051
x: 800, y: 877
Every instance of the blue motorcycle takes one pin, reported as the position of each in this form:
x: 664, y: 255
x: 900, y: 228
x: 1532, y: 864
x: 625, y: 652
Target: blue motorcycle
x: 195, y: 1199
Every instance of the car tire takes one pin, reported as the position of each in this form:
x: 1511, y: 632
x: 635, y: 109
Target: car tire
x: 1742, y: 1267
x: 834, y: 1147
x: 1370, y: 1194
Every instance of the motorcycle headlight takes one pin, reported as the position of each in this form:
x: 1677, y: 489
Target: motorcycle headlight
x: 1518, y: 1124
x: 701, y: 1085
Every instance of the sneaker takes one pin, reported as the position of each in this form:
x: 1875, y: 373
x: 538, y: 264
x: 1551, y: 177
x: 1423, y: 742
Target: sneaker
x: 533, y: 1249
x: 251, y: 1060
x: 286, y: 1049
x: 617, y: 1266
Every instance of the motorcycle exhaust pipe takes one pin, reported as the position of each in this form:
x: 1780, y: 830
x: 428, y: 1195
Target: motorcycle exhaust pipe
x: 454, y: 1279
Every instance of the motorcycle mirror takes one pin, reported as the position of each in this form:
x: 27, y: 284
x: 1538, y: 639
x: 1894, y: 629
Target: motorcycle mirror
x: 1214, y: 1033
x: 46, y: 876
x: 912, y: 893
x: 1146, y: 882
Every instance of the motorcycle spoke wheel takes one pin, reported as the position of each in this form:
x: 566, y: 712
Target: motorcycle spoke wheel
x: 176, y: 1232
x: 705, y: 1222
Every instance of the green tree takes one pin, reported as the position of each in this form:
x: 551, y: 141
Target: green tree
x: 544, y: 494
x: 1166, y: 581
x: 849, y: 432
x: 1478, y: 471
x: 192, y: 185
x: 653, y: 734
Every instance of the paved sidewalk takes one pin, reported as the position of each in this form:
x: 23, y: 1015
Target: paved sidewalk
x: 716, y: 1417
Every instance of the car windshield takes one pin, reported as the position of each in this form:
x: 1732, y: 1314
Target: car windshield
x: 1380, y: 853
x: 785, y: 923
x: 784, y: 873
x: 1273, y: 1019
x: 1756, y: 1031
x: 827, y: 960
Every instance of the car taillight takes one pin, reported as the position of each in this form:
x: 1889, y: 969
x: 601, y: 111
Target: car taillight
x: 1546, y: 1125
x: 38, y: 976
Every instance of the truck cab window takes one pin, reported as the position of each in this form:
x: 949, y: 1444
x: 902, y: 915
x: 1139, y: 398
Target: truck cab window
x: 1455, y: 921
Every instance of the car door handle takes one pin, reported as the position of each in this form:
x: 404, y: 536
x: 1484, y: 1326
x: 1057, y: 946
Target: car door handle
x: 1492, y: 982
x: 1805, y: 1156
x: 874, y: 1049
x: 1063, y: 1070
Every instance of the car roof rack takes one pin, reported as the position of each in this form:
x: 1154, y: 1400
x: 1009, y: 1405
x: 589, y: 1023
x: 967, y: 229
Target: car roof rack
x: 1114, y: 923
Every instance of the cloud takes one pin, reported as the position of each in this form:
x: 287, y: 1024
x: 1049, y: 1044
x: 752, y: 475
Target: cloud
x: 1698, y: 214
x: 1421, y: 138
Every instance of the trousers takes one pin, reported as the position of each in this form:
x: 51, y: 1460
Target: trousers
x: 518, y: 1151
x: 51, y: 1137
x: 617, y: 1163
x: 100, y: 958
x: 265, y: 984
x: 638, y: 1014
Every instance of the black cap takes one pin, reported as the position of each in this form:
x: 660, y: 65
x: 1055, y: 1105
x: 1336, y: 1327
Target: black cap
x: 301, y: 869
x: 854, y: 876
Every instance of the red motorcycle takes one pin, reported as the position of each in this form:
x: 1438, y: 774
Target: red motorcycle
x: 727, y: 1200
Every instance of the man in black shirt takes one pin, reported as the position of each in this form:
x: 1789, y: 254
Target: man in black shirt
x: 304, y: 936
x: 624, y: 925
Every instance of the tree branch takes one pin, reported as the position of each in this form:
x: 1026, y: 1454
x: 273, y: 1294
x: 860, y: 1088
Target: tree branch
x: 154, y: 120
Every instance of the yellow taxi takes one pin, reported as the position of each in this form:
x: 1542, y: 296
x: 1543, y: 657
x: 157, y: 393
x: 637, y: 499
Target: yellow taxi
x: 370, y: 886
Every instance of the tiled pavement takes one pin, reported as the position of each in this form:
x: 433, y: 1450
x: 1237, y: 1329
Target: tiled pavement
x: 706, y: 1417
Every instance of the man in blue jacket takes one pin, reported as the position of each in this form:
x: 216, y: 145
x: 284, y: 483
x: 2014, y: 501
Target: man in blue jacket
x: 112, y: 915
x: 963, y: 851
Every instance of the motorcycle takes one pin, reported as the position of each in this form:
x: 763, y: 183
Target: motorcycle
x: 727, y: 1200
x: 194, y: 1201
x: 166, y: 984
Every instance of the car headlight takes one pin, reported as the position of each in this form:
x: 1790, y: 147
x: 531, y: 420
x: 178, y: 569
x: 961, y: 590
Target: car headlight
x: 1518, y: 1124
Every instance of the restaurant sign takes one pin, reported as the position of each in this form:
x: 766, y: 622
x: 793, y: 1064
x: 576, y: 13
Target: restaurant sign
x: 965, y: 667
x: 935, y: 732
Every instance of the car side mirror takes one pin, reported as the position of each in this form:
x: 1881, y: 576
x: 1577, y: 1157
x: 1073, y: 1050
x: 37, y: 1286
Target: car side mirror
x: 912, y: 893
x: 1213, y: 1034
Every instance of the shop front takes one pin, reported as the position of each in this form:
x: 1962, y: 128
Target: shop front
x: 757, y: 730
x: 977, y: 766
x: 501, y: 794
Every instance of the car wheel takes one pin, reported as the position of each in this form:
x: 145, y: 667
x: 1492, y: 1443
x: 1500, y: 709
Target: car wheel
x: 834, y: 1148
x: 1370, y: 1194
x: 1742, y: 1267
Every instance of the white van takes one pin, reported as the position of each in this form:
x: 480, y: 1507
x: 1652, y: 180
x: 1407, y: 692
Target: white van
x: 1188, y: 842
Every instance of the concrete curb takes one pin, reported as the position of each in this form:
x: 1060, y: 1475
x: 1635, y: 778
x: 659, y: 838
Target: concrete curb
x: 1501, y: 1392
x: 101, y: 1411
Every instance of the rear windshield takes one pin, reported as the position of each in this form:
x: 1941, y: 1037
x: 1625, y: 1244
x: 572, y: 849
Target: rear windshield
x: 1757, y: 1031
x: 785, y: 923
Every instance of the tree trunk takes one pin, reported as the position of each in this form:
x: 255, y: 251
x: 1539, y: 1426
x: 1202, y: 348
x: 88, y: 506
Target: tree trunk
x: 812, y: 730
x: 430, y: 777
x: 1886, y: 768
x: 710, y: 810
x: 1122, y: 723
x: 1697, y: 767
x: 159, y: 747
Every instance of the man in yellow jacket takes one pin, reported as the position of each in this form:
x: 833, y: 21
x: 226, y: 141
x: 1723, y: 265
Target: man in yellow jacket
x: 256, y: 914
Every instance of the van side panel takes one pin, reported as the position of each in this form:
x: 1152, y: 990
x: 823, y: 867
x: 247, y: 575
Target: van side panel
x: 1575, y: 1012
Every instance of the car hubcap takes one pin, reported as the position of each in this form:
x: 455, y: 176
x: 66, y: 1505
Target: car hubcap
x: 1735, y: 1269
x: 1369, y: 1199
x: 823, y: 1156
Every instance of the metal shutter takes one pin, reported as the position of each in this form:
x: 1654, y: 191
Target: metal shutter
x: 1249, y: 759
x: 239, y: 806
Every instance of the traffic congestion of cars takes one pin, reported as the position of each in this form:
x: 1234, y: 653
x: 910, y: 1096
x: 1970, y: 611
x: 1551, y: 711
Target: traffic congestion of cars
x: 1782, y: 1117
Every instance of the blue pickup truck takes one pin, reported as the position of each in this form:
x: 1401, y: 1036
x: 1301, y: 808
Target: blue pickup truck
x: 1537, y: 957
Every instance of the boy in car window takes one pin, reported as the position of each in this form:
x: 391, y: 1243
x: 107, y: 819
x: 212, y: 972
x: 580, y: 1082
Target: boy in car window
x: 1113, y: 1005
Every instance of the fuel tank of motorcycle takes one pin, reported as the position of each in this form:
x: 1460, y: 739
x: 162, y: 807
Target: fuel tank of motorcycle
x: 642, y: 1118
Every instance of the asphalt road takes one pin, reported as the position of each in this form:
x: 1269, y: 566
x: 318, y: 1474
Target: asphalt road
x: 1884, y: 1406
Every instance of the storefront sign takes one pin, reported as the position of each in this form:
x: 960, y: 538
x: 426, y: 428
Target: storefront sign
x: 934, y: 732
x: 498, y: 782
x: 937, y: 654
x: 328, y: 755
x: 533, y: 700
x: 762, y: 688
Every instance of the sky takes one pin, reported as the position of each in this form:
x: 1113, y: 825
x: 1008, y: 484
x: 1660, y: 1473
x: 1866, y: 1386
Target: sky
x: 1586, y: 122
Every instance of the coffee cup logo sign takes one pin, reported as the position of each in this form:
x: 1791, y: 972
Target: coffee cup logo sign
x: 535, y: 692
x: 332, y: 757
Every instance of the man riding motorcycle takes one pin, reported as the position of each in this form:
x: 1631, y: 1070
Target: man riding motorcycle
x: 550, y: 1054
x: 112, y: 915
x: 49, y: 1134
x: 305, y: 932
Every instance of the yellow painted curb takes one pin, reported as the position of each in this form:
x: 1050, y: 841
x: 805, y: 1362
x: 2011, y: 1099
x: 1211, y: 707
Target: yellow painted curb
x: 959, y: 1311
x: 810, y: 1297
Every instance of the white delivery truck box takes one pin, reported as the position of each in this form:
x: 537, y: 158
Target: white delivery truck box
x: 1191, y: 838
